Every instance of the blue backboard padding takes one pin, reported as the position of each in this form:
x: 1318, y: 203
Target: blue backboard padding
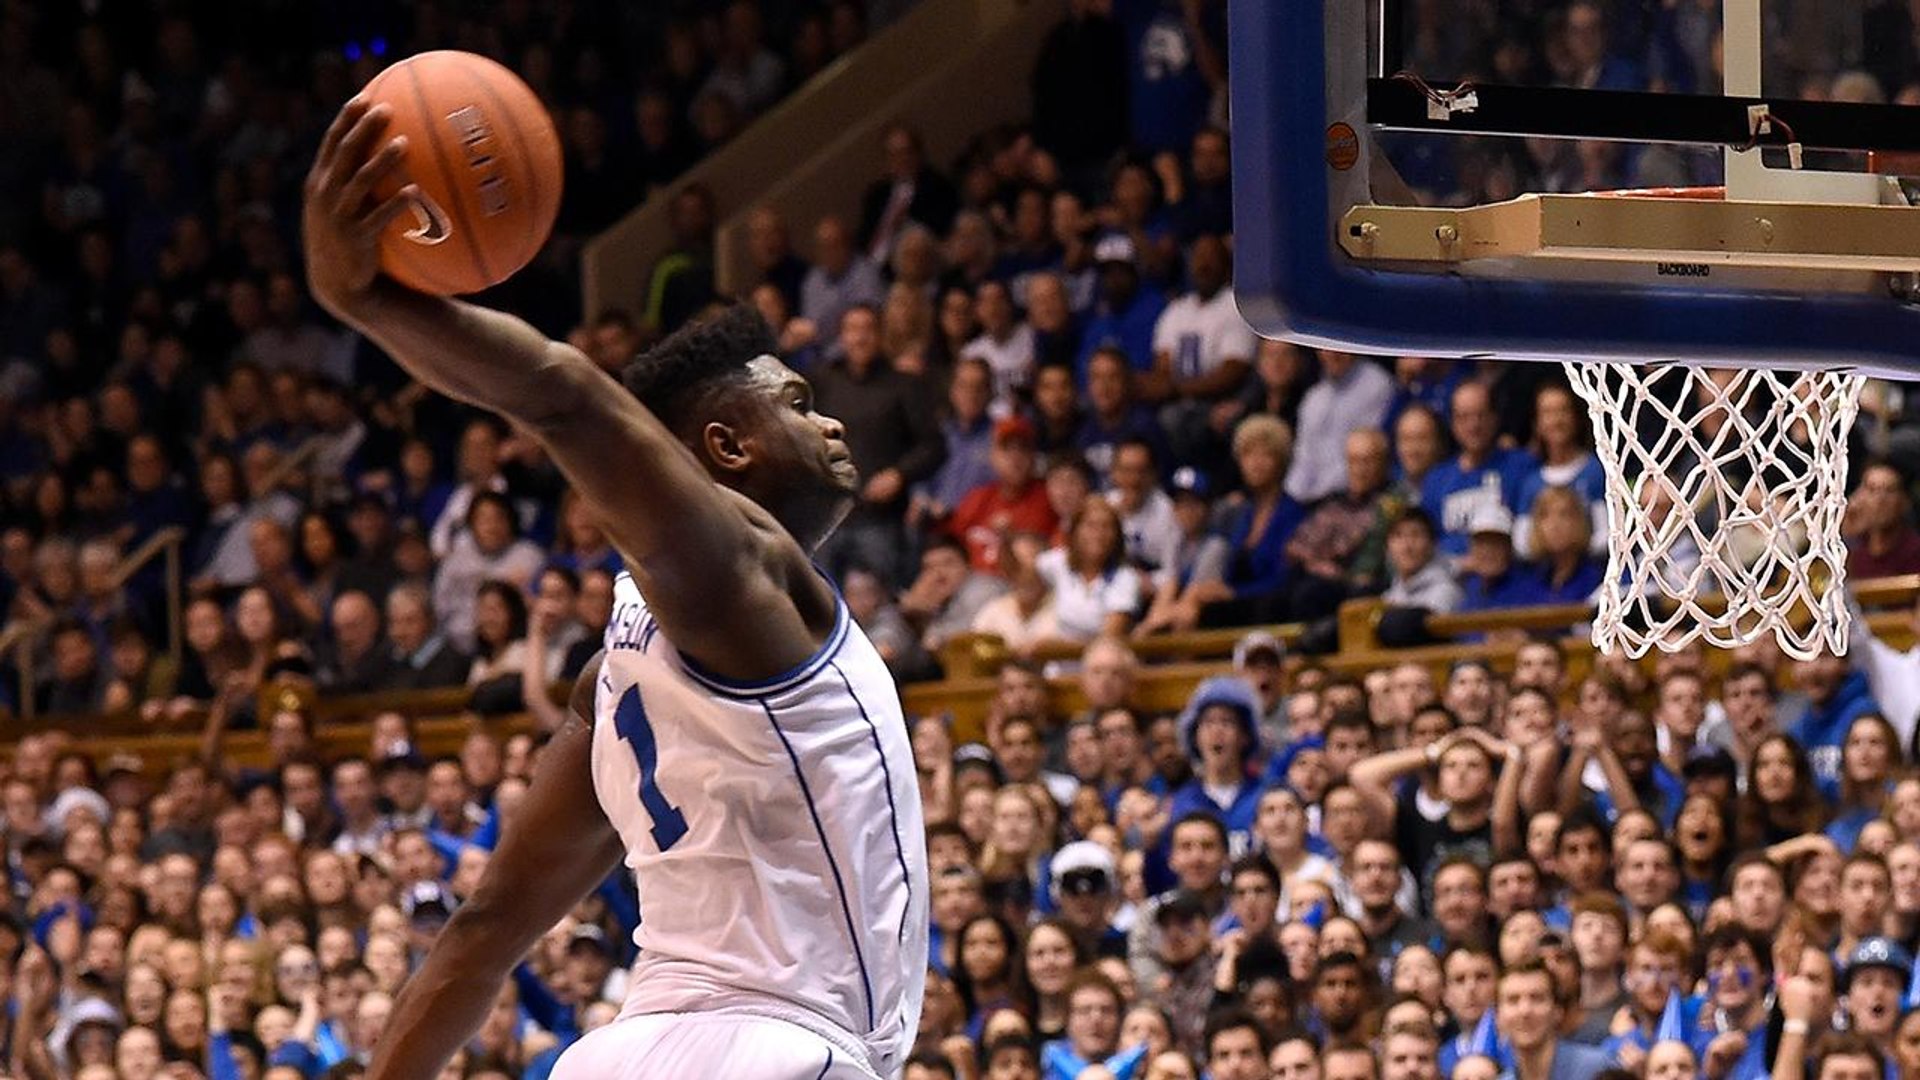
x: 1292, y: 282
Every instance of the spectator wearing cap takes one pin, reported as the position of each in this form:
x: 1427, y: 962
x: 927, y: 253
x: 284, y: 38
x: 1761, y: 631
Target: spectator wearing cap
x: 1489, y: 577
x: 894, y: 437
x: 402, y: 780
x: 1258, y: 575
x: 1199, y: 555
x: 967, y: 430
x: 1085, y: 892
x: 1221, y: 732
x: 1184, y: 963
x: 1259, y: 660
x: 1341, y: 547
x: 1015, y: 503
x: 1351, y: 395
x: 1126, y: 313
x: 1876, y: 976
x: 1480, y: 474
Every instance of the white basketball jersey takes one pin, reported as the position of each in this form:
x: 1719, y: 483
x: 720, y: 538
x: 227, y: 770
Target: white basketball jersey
x: 775, y: 832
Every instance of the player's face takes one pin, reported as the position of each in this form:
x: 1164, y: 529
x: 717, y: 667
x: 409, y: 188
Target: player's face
x: 803, y: 470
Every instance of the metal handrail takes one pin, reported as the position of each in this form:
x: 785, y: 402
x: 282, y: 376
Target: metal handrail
x: 19, y: 637
x: 164, y: 543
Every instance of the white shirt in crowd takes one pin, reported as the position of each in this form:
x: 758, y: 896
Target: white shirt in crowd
x: 1082, y: 606
x: 1201, y: 335
x: 1152, y: 533
x: 1011, y: 359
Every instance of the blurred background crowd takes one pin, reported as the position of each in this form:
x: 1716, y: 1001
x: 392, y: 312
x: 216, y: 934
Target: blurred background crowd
x: 1070, y: 443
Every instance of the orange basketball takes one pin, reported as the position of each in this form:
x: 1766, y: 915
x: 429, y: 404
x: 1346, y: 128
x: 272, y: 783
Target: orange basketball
x: 486, y: 159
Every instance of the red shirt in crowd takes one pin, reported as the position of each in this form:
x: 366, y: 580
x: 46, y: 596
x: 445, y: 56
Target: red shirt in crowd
x: 985, y: 519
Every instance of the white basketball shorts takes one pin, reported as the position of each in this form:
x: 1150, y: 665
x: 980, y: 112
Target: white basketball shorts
x: 707, y: 1046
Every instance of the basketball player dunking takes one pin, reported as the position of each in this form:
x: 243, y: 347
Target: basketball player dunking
x: 741, y: 741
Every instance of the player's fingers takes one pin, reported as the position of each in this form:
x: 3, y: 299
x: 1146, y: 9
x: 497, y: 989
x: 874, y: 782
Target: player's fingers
x: 366, y: 179
x: 350, y: 114
x: 355, y: 146
x: 381, y: 216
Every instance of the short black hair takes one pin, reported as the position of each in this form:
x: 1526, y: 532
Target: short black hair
x: 673, y: 377
x: 1202, y: 817
x: 1233, y: 1018
x: 1585, y: 818
x: 934, y: 1060
x: 1414, y: 515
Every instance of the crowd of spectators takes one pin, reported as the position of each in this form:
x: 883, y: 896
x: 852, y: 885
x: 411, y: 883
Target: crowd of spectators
x: 1069, y: 441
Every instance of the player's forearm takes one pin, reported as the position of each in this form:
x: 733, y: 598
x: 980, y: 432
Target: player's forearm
x: 476, y: 355
x: 443, y: 1003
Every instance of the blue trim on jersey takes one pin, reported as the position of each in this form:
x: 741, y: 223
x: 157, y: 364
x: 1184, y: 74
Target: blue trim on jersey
x: 824, y: 1068
x: 813, y: 811
x: 788, y: 680
x: 893, y: 812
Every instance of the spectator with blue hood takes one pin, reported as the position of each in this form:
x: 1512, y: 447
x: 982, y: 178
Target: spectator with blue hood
x: 1221, y: 732
x: 1837, y: 695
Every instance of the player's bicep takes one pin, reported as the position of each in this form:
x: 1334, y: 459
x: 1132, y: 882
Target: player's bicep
x: 580, y: 703
x: 656, y: 502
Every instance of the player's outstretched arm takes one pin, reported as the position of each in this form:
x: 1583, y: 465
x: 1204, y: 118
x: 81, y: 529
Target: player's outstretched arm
x: 555, y: 850
x: 701, y: 558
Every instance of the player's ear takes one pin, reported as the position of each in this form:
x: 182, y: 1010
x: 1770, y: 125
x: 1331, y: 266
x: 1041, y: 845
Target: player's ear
x: 724, y: 447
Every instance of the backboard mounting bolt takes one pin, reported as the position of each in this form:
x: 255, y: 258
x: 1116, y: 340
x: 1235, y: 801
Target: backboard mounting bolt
x: 1766, y: 230
x: 1368, y: 231
x: 1447, y: 234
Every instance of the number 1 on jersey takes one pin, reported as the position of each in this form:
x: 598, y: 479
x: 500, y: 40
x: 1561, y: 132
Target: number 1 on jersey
x: 630, y: 720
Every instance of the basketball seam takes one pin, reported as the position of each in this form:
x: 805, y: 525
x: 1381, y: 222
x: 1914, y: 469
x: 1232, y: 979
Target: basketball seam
x: 506, y: 125
x: 469, y: 237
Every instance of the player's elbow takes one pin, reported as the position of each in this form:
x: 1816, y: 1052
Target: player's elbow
x: 565, y: 386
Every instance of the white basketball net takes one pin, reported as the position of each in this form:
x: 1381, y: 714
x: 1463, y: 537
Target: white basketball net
x: 1725, y: 491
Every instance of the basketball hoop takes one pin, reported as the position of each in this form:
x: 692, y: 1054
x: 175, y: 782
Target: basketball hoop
x: 1725, y: 493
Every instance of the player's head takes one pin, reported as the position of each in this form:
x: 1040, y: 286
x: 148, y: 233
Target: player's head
x: 719, y: 385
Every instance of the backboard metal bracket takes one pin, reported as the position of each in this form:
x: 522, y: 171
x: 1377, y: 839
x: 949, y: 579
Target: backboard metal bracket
x: 1641, y: 229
